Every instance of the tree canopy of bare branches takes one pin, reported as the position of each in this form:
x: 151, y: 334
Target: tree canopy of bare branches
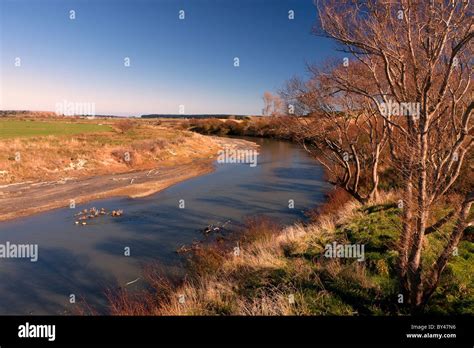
x: 405, y: 84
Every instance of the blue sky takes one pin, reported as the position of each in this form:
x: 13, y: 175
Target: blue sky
x: 174, y: 62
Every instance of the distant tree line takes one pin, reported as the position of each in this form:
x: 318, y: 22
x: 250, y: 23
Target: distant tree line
x: 199, y: 116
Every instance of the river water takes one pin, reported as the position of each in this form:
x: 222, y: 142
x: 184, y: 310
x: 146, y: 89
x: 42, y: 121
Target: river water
x: 87, y: 260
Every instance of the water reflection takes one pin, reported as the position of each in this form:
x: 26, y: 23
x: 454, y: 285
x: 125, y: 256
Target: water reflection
x: 85, y: 260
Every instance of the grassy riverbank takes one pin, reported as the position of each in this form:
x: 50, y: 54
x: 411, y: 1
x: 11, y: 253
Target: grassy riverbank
x: 34, y: 149
x: 45, y: 162
x: 283, y: 271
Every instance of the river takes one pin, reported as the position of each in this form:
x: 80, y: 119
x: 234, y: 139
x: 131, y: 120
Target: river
x: 87, y: 260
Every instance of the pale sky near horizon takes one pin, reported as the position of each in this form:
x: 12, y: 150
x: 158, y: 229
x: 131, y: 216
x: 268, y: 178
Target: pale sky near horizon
x: 173, y: 62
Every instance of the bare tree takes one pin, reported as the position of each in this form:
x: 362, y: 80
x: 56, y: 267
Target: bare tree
x: 338, y: 129
x: 273, y: 105
x: 417, y: 78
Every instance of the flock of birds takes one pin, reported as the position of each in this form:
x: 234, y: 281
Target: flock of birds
x: 93, y: 213
x: 210, y: 229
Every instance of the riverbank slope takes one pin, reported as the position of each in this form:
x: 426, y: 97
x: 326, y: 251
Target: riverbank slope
x: 53, y: 163
x: 287, y: 271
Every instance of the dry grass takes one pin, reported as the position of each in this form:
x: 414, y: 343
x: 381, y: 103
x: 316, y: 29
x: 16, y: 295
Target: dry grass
x: 335, y: 199
x: 143, y: 146
x: 259, y: 281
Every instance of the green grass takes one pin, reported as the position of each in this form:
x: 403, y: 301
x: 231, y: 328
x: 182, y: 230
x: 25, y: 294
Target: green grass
x: 262, y: 281
x: 23, y: 128
x: 378, y: 228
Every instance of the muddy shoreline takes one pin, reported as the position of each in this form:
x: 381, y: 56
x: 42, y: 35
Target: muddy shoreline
x: 28, y: 198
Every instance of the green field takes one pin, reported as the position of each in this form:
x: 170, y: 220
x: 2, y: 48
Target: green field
x: 26, y: 128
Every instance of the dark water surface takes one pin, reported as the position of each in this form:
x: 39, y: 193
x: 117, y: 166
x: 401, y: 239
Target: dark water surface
x: 86, y: 260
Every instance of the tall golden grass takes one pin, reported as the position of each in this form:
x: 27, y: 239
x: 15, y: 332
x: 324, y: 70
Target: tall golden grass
x: 46, y: 158
x: 213, y: 285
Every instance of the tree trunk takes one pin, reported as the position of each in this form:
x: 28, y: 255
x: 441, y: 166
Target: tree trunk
x: 414, y: 262
x: 375, y: 175
x: 440, y: 264
x: 405, y: 238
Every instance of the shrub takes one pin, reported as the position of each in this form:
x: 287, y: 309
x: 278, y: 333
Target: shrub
x: 124, y: 156
x: 335, y: 200
x: 125, y: 125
